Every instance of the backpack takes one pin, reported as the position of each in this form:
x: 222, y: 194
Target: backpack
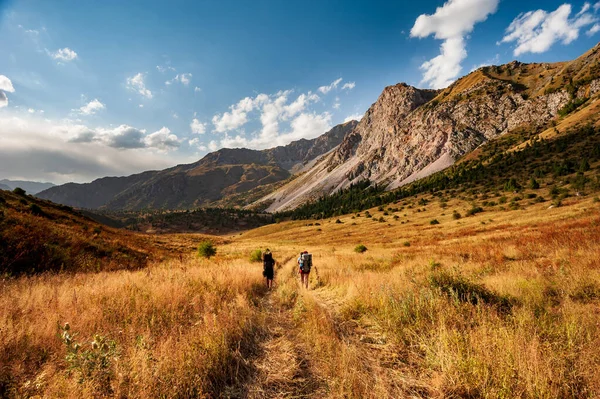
x: 306, y: 262
x: 268, y: 260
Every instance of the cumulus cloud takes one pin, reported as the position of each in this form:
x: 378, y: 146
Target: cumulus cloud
x: 593, y: 30
x: 5, y: 87
x: 235, y: 118
x: 183, y: 78
x: 450, y: 23
x: 197, y: 126
x: 137, y: 83
x: 349, y: 86
x: 353, y: 117
x: 63, y: 55
x: 328, y: 88
x: 537, y: 31
x: 197, y: 89
x: 92, y: 107
x: 162, y: 139
x: 61, y: 151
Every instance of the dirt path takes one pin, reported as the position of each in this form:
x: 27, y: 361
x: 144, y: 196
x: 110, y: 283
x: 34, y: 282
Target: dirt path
x: 284, y: 366
x: 282, y: 369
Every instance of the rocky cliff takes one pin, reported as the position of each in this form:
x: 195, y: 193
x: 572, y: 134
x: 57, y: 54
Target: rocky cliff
x: 410, y: 133
x: 219, y: 174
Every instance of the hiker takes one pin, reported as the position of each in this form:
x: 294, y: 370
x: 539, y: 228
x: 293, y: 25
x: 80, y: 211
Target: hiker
x: 305, y: 264
x: 268, y: 267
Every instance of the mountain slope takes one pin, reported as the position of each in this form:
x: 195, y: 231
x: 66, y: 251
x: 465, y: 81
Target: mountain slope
x: 218, y: 175
x: 32, y: 187
x: 410, y: 133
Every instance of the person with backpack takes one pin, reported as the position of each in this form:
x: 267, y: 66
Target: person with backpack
x: 305, y: 264
x: 268, y: 268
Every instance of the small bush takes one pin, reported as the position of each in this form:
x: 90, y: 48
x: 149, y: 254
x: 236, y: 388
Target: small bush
x: 36, y: 210
x: 406, y: 243
x: 434, y: 222
x: 467, y: 291
x: 19, y: 191
x: 360, y: 248
x: 338, y: 221
x: 206, y: 249
x: 456, y: 215
x: 256, y: 255
x: 475, y: 210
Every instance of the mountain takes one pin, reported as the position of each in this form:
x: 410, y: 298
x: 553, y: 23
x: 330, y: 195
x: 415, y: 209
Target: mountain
x: 223, y: 173
x: 31, y: 187
x: 409, y: 133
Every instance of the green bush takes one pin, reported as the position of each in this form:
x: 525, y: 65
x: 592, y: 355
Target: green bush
x: 434, y: 222
x: 256, y: 255
x: 206, y: 249
x: 19, y: 191
x: 475, y: 210
x: 338, y: 221
x: 456, y: 215
x: 360, y: 248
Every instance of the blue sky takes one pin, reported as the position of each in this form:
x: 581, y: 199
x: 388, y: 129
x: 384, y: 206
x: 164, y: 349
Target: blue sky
x: 89, y: 89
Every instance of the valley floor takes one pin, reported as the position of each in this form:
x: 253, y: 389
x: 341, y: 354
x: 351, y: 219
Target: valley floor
x: 503, y: 303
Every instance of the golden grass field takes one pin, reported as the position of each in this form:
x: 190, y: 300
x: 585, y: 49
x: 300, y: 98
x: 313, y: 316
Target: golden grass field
x: 502, y: 304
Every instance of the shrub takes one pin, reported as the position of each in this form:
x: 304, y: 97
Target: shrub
x: 381, y: 219
x: 360, y: 248
x: 19, y: 191
x: 256, y: 255
x: 338, y: 221
x: 206, y: 249
x: 467, y: 291
x: 533, y: 184
x: 36, y: 210
x: 406, y: 243
x: 434, y: 222
x: 456, y: 215
x: 475, y: 210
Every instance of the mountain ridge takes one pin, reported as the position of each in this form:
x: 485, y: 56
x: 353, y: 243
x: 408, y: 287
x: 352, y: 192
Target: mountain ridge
x: 217, y: 175
x: 410, y: 133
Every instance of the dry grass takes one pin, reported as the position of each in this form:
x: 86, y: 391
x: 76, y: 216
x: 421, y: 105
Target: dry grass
x: 500, y: 304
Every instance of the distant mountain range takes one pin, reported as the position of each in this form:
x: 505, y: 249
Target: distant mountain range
x: 220, y: 174
x: 31, y: 187
x: 407, y: 134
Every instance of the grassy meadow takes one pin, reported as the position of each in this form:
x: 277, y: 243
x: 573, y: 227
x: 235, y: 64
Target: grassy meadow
x: 504, y: 303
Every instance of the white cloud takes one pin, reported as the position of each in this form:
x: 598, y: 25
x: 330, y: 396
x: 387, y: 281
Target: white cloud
x: 451, y: 23
x: 237, y: 117
x: 593, y: 30
x: 137, y: 83
x: 349, y: 86
x: 64, y: 54
x: 353, y: 117
x: 333, y: 85
x: 162, y: 139
x: 213, y: 146
x: 337, y: 104
x: 141, y: 105
x: 34, y: 148
x: 5, y: 87
x: 183, y: 78
x: 92, y: 107
x: 536, y: 31
x: 197, y: 127
x: 31, y: 111
x: 165, y: 68
x: 197, y: 89
x: 597, y: 6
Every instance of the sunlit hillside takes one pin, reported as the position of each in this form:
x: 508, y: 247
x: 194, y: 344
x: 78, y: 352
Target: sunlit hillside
x: 499, y: 303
